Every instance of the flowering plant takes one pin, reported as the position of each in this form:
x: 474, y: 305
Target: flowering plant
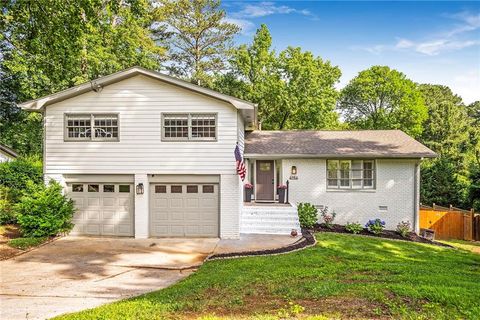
x: 327, y: 217
x: 375, y: 226
x: 248, y: 185
x: 282, y: 186
x: 403, y: 228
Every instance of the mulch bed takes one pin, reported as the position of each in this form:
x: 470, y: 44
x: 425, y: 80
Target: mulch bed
x: 387, y: 234
x: 307, y: 240
x: 10, y: 232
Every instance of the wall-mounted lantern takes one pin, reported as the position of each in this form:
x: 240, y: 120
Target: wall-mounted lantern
x: 140, y: 189
x: 294, y: 170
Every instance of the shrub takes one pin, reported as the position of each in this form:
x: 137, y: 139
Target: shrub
x: 307, y: 214
x: 354, y: 227
x: 403, y: 228
x: 44, y: 211
x: 375, y: 226
x: 16, y: 174
x: 7, y: 215
x: 327, y: 217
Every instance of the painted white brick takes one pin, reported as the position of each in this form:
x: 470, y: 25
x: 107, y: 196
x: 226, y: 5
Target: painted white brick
x: 394, y: 189
x: 141, y: 207
x: 230, y: 202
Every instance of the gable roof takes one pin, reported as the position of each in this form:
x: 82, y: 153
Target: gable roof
x: 8, y: 151
x: 40, y: 103
x: 340, y: 144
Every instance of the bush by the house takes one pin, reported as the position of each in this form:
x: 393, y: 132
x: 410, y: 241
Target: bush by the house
x: 353, y: 227
x: 327, y: 217
x: 16, y: 174
x: 403, y: 228
x: 375, y: 226
x: 307, y: 214
x: 44, y: 211
x: 7, y: 215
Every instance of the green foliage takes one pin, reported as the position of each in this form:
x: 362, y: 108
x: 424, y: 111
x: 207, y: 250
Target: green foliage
x: 383, y: 98
x: 17, y: 174
x: 375, y: 226
x: 200, y: 38
x: 474, y: 189
x: 442, y: 184
x: 404, y: 280
x: 293, y: 90
x: 353, y: 227
x: 44, y: 211
x: 404, y: 228
x: 26, y: 243
x: 307, y: 214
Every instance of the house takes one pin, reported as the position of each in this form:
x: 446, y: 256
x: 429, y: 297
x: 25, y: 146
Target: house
x: 147, y: 155
x: 7, y: 154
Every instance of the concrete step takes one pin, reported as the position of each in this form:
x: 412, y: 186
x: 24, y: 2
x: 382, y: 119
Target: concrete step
x: 268, y: 230
x: 269, y: 221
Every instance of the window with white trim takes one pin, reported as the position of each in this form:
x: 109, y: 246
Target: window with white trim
x: 350, y: 174
x: 79, y: 127
x: 189, y: 126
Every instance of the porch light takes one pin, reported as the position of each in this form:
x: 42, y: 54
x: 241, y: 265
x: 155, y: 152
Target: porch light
x: 294, y: 170
x: 139, y: 188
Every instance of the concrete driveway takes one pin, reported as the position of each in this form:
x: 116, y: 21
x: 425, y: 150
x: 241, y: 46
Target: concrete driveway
x: 75, y: 273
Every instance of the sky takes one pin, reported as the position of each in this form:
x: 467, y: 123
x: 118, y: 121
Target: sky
x: 434, y: 42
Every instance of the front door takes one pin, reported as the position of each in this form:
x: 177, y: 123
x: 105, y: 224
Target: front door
x: 265, y: 180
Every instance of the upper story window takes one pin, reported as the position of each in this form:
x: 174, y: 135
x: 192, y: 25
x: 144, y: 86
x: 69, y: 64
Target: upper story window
x: 189, y: 126
x: 351, y: 174
x: 86, y: 127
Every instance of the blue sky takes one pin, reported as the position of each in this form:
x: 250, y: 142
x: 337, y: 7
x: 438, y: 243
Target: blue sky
x: 431, y: 42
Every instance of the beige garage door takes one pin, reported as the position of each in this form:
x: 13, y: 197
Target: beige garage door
x: 103, y: 209
x: 184, y: 210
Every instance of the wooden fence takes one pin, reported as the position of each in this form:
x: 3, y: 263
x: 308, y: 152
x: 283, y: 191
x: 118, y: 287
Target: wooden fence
x: 450, y: 223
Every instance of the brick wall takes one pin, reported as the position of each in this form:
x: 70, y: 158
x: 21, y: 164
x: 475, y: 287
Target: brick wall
x: 230, y: 200
x: 394, y: 189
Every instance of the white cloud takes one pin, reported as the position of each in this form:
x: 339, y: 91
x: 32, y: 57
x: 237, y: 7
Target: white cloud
x: 246, y: 26
x: 466, y: 85
x: 262, y: 9
x: 456, y: 38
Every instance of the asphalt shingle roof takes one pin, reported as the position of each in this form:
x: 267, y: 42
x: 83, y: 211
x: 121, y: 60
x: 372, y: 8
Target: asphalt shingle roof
x: 361, y: 143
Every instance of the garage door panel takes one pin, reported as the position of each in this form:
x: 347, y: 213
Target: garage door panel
x: 192, y: 213
x: 105, y: 211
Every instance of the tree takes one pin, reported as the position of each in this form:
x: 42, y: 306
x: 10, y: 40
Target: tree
x: 200, y: 38
x: 446, y: 131
x: 293, y: 90
x: 50, y: 45
x: 383, y: 98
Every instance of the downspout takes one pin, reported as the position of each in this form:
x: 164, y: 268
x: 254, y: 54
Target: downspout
x: 416, y: 196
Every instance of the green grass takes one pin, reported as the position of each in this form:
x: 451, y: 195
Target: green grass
x: 473, y: 246
x: 26, y: 243
x: 343, y: 276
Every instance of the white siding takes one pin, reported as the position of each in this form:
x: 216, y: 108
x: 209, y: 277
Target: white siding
x: 240, y: 132
x: 394, y: 189
x: 139, y: 101
x: 4, y: 157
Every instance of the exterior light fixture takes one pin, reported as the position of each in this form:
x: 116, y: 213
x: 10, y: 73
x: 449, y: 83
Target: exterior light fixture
x: 294, y: 170
x: 140, y: 189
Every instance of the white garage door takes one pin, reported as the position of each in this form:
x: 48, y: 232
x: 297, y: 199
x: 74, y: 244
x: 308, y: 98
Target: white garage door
x: 184, y: 210
x: 102, y: 209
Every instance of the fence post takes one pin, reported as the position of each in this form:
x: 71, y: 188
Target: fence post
x: 472, y: 221
x: 288, y: 190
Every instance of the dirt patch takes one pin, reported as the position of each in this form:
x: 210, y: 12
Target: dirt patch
x: 387, y: 234
x: 341, y: 307
x: 8, y: 232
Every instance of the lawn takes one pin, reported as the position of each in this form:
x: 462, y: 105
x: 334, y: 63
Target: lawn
x: 343, y: 276
x: 473, y: 246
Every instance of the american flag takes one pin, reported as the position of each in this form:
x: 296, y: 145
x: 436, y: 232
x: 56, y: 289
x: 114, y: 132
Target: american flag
x: 241, y: 170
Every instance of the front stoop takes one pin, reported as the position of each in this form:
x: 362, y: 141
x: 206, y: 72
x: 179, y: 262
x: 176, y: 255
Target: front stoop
x: 269, y: 219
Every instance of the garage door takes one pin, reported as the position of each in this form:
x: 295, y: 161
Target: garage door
x: 184, y: 210
x: 103, y: 209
